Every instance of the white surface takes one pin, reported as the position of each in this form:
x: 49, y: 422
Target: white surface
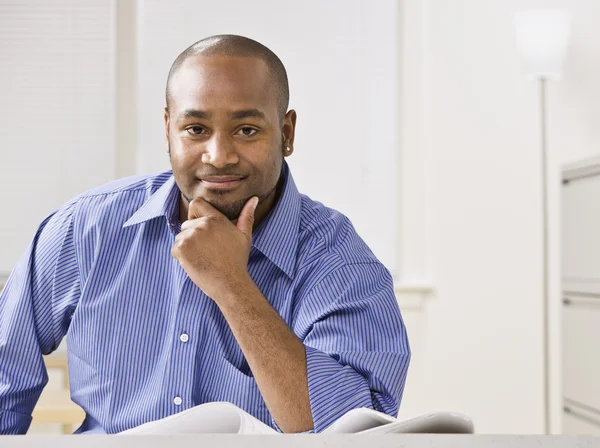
x: 575, y: 425
x: 477, y: 345
x: 573, y: 134
x: 341, y: 57
x: 226, y: 418
x: 415, y: 258
x: 581, y: 359
x: 581, y: 316
x: 542, y: 40
x: 581, y: 235
x: 208, y: 418
x: 305, y: 440
x: 57, y: 110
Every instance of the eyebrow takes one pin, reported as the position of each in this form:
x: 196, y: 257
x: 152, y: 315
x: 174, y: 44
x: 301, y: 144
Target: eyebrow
x: 236, y: 115
x: 195, y: 113
x: 249, y: 113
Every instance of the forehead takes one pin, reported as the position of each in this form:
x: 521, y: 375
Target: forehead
x: 216, y: 83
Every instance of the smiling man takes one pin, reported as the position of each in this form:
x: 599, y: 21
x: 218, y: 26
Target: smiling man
x: 217, y: 281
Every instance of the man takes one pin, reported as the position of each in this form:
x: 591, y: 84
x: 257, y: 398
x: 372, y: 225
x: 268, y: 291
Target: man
x: 216, y: 282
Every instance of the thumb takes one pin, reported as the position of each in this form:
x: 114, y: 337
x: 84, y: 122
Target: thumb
x: 246, y: 219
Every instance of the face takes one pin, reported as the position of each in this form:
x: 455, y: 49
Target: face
x: 225, y: 138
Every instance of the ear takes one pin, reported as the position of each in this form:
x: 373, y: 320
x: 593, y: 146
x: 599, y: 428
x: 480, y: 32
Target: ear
x: 167, y: 122
x: 288, y: 130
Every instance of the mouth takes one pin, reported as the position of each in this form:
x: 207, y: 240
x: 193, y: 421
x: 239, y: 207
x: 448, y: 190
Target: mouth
x: 221, y: 183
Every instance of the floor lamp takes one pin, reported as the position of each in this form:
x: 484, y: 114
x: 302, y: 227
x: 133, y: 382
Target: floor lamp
x: 542, y: 37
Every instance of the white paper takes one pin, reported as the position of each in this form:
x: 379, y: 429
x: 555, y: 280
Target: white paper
x: 208, y: 418
x: 359, y: 420
x: 226, y: 418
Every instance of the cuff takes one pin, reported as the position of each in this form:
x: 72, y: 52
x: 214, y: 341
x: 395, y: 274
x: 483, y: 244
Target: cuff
x: 333, y: 388
x: 14, y: 422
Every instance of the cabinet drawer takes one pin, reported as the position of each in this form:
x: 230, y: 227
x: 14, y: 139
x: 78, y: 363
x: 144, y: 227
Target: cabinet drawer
x: 573, y: 424
x: 581, y: 234
x: 581, y: 357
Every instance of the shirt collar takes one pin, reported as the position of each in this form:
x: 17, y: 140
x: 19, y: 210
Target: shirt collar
x: 163, y: 202
x: 276, y: 237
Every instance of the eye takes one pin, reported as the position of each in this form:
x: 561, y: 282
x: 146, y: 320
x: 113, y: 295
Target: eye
x: 195, y: 130
x: 247, y: 131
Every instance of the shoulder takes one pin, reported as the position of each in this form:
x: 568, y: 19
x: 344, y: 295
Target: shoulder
x: 108, y: 206
x: 326, y: 233
x: 119, y: 197
x: 144, y: 183
x: 330, y: 250
x: 336, y: 268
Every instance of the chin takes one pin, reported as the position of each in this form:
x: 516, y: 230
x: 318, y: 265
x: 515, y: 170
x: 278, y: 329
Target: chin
x: 230, y: 208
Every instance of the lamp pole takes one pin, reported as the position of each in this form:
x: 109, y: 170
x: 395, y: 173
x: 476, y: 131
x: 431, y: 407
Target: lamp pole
x: 545, y: 263
x: 542, y: 38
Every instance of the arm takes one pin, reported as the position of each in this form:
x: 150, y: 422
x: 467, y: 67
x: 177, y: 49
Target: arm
x: 31, y: 305
x: 354, y: 351
x: 357, y: 349
x: 274, y: 353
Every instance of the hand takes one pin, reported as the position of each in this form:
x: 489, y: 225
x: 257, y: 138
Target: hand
x: 212, y: 250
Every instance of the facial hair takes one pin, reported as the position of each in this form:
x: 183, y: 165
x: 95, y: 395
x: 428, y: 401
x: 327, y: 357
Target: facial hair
x: 232, y: 210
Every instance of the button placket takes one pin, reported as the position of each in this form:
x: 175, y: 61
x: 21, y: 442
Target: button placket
x: 187, y: 336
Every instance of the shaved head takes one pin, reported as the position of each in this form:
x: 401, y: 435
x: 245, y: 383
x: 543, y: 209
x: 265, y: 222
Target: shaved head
x: 236, y: 46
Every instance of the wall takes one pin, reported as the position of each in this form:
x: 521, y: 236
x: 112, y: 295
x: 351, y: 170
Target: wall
x: 478, y: 344
x: 56, y: 117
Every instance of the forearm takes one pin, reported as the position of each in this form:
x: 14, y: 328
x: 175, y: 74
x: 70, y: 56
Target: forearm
x: 275, y: 355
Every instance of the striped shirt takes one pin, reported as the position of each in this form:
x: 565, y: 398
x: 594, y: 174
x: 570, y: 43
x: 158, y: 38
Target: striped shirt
x: 144, y: 342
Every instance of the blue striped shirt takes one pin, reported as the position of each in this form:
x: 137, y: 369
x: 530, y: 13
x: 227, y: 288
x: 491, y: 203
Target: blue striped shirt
x: 145, y: 342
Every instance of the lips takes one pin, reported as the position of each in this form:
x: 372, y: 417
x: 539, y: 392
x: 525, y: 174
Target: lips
x: 221, y: 182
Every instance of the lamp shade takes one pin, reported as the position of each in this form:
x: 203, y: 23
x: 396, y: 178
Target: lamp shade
x: 542, y: 37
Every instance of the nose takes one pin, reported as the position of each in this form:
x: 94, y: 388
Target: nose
x: 220, y: 151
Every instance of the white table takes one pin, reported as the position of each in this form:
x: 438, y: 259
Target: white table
x: 301, y: 441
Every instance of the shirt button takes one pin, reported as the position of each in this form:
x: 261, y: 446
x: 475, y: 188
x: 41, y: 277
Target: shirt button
x: 184, y: 338
x: 177, y: 401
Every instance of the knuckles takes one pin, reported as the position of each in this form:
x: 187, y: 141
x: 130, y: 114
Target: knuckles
x: 185, y: 241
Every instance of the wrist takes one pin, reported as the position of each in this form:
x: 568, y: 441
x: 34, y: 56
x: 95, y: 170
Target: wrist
x: 237, y: 289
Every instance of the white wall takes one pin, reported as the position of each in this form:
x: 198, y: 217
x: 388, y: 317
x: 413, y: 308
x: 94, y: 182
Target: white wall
x: 57, y: 107
x: 478, y: 344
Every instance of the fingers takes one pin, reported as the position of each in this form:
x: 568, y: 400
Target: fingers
x: 246, y: 218
x: 199, y: 208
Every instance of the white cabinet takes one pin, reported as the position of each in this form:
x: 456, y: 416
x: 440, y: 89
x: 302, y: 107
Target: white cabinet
x: 581, y: 298
x: 581, y: 354
x: 574, y: 424
x: 581, y: 234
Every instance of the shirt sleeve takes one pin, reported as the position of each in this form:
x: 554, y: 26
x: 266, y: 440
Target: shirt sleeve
x: 357, y: 350
x: 35, y: 308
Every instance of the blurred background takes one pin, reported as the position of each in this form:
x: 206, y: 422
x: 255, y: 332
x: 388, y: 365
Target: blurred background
x: 414, y: 119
